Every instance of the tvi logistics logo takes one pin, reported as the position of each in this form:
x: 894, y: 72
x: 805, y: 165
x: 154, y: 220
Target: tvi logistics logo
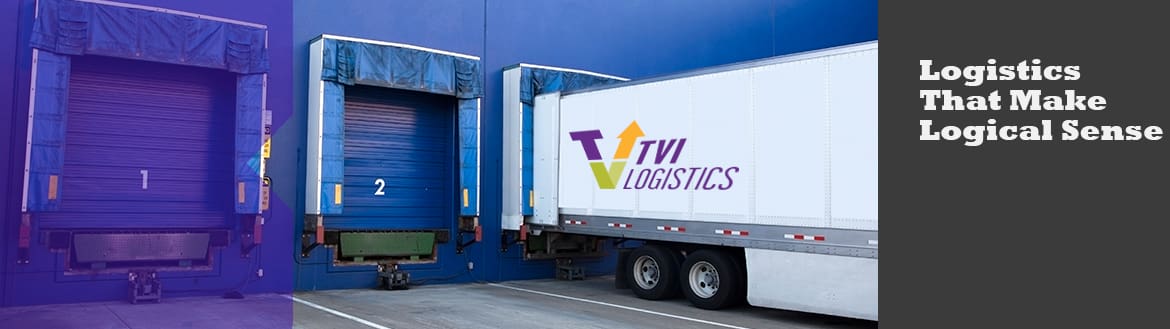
x: 655, y: 175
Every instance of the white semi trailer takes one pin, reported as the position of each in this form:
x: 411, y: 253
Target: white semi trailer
x: 754, y: 181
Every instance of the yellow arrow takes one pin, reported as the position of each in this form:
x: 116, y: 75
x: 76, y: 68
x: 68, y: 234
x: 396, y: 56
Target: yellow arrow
x: 628, y: 137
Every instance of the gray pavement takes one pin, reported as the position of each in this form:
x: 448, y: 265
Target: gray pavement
x: 253, y: 312
x: 592, y: 303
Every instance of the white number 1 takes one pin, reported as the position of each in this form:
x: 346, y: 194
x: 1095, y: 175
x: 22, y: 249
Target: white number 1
x: 381, y: 185
x: 145, y: 176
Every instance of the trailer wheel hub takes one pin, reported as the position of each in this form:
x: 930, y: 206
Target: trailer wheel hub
x: 704, y: 279
x: 646, y: 272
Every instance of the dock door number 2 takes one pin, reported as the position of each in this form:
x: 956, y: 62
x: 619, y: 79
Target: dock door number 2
x: 381, y: 186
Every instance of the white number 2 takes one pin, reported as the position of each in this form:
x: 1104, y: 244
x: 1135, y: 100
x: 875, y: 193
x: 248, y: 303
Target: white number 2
x: 145, y: 177
x: 381, y: 185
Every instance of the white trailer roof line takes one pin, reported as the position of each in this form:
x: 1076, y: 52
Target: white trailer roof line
x: 839, y: 50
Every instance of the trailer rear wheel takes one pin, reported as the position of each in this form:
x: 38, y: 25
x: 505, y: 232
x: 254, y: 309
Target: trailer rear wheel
x: 712, y: 280
x: 653, y: 272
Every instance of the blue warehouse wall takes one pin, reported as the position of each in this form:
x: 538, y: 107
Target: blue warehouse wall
x: 42, y: 280
x: 634, y: 39
x: 803, y: 25
x: 9, y: 13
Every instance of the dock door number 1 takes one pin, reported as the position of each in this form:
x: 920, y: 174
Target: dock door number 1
x: 145, y: 177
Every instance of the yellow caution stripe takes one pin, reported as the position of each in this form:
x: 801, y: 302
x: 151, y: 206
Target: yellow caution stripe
x: 52, y: 187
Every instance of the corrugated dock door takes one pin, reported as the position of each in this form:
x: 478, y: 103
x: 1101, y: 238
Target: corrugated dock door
x: 399, y: 171
x: 147, y: 146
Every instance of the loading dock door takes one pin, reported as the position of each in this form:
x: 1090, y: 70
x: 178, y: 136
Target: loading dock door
x: 399, y: 160
x: 147, y: 146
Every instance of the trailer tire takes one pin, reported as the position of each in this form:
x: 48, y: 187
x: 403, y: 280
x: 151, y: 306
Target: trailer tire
x: 653, y: 272
x: 712, y: 280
